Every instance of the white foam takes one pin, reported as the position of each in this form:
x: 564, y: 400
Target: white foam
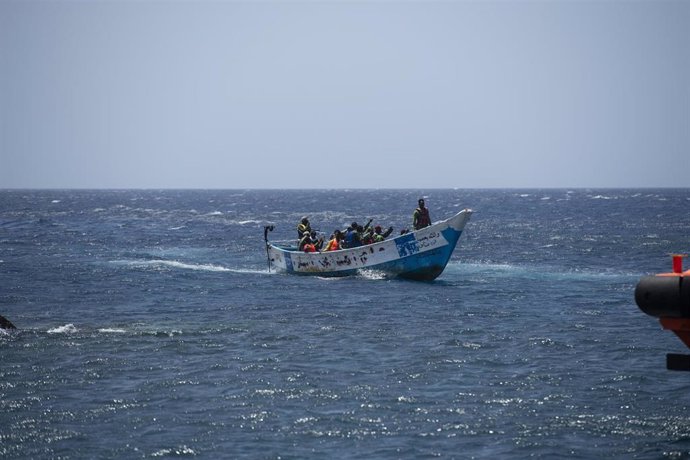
x: 161, y: 263
x: 372, y: 274
x: 250, y: 271
x: 172, y: 264
x: 519, y: 271
x: 162, y: 333
x: 330, y: 278
x: 109, y: 330
x: 203, y: 267
x: 178, y: 451
x: 66, y: 329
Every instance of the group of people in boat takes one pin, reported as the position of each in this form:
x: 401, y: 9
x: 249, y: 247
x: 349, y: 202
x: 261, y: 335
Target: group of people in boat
x: 355, y: 235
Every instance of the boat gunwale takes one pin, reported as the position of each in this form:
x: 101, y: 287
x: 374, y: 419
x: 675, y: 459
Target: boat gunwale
x: 295, y: 249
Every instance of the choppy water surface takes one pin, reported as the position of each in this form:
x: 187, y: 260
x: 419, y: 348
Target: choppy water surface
x: 150, y: 326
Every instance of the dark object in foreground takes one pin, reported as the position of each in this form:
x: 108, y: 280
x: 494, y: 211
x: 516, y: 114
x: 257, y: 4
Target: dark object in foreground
x: 667, y: 296
x: 677, y: 362
x: 6, y: 323
x: 664, y: 296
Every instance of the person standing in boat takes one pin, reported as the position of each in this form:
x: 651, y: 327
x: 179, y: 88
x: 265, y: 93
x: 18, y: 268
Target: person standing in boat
x: 421, y: 218
x: 303, y: 227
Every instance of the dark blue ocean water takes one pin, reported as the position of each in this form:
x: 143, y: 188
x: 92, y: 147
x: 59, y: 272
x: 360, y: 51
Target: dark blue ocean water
x: 149, y: 326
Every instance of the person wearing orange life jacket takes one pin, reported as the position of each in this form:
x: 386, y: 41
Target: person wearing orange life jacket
x: 306, y: 244
x: 421, y: 218
x: 334, y: 243
x: 310, y: 243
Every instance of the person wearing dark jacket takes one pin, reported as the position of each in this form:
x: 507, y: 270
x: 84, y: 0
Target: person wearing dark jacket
x: 352, y: 237
x: 303, y: 227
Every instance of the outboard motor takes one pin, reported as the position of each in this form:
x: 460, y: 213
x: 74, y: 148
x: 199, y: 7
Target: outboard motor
x: 667, y: 296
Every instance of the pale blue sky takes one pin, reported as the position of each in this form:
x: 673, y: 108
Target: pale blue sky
x: 420, y: 94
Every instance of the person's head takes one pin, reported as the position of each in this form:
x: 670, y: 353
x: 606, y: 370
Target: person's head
x: 338, y: 234
x: 305, y: 221
x: 353, y: 225
x: 420, y: 202
x: 377, y: 229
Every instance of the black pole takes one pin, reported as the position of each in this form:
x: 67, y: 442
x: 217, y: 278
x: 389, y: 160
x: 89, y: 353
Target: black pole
x: 267, y: 228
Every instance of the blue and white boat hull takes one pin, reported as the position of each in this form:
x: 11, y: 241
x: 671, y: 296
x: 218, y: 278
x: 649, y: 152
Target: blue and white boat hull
x: 420, y: 255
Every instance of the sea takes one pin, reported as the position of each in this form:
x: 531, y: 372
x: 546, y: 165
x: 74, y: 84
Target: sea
x: 150, y: 325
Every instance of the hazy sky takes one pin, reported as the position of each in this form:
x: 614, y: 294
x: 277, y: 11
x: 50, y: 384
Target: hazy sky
x: 344, y: 94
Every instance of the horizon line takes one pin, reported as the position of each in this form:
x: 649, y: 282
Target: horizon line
x: 666, y: 187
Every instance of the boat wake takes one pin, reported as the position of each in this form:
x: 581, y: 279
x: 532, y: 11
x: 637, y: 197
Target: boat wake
x: 160, y: 264
x: 536, y: 272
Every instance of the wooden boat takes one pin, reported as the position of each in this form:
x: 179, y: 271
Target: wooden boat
x: 419, y: 255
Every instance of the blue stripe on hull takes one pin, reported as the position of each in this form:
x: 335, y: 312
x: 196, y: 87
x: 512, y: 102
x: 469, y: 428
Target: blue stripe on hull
x: 424, y: 266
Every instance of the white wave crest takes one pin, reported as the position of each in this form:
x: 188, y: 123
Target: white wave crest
x: 66, y: 329
x: 177, y: 451
x: 110, y: 330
